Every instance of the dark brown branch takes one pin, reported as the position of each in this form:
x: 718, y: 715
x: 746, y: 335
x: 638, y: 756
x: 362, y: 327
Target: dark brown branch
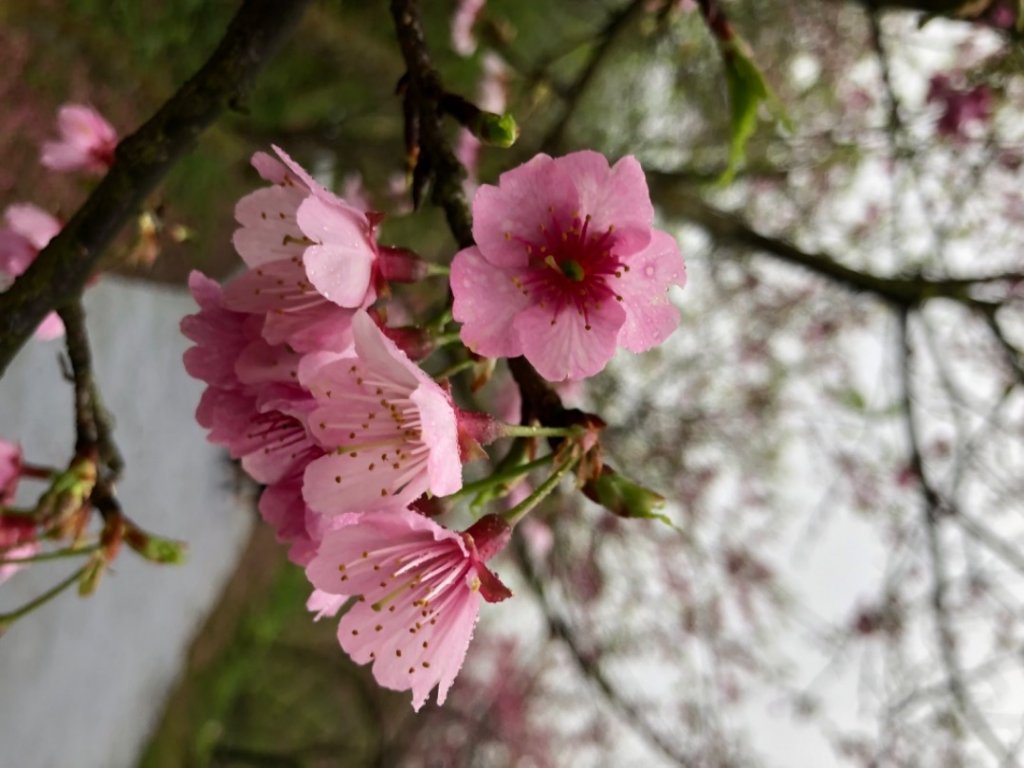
x: 59, y: 273
x: 435, y: 163
x: 613, y: 27
x: 588, y: 667
x: 730, y: 230
x: 933, y: 511
x: 94, y: 431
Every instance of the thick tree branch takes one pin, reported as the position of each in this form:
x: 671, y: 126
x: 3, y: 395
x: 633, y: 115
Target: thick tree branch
x: 59, y: 273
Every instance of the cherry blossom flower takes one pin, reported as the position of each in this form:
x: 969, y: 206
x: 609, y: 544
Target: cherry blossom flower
x: 311, y: 257
x: 87, y: 141
x: 17, y: 533
x: 28, y: 230
x: 253, y: 404
x: 566, y: 266
x: 391, y: 430
x: 418, y: 588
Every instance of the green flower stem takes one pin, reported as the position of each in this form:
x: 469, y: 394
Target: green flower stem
x: 444, y: 339
x: 500, y: 477
x: 437, y: 270
x: 453, y: 370
x: 59, y: 554
x: 7, y: 619
x: 523, y: 508
x: 37, y: 471
x: 523, y: 430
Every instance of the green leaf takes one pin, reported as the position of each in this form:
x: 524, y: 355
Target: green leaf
x: 747, y: 90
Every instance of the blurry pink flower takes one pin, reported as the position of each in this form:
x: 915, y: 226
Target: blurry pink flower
x: 391, y: 430
x: 566, y: 266
x: 311, y: 257
x: 28, y: 230
x: 10, y: 471
x: 962, y: 108
x: 419, y: 588
x: 17, y: 533
x: 87, y: 141
x: 466, y: 14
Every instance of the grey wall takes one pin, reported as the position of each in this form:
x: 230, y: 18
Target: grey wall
x: 83, y: 680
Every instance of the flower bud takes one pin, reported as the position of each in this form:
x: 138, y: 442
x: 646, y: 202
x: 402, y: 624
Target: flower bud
x: 622, y: 497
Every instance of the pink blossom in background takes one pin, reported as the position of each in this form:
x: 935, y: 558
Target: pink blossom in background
x: 27, y: 231
x: 17, y: 533
x: 10, y: 471
x: 87, y: 141
x: 390, y: 430
x: 962, y: 108
x: 418, y: 587
x: 311, y: 258
x: 466, y: 14
x: 566, y: 266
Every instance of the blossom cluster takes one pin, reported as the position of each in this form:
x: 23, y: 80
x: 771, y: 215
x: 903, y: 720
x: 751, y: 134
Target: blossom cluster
x: 325, y: 406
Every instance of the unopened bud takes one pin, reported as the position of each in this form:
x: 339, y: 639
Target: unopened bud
x: 622, y: 497
x: 496, y: 130
x: 400, y: 265
x: 154, y: 548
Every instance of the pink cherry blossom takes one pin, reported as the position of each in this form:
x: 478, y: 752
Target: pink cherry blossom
x: 418, y: 587
x: 390, y: 430
x: 253, y: 404
x: 10, y: 471
x: 87, y: 141
x: 962, y: 108
x: 28, y: 230
x: 566, y: 266
x: 311, y: 257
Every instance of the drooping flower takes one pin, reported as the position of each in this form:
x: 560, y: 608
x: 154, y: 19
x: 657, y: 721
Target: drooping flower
x: 28, y: 230
x: 310, y: 254
x: 390, y: 430
x: 566, y: 266
x: 87, y: 141
x: 253, y: 404
x: 418, y: 587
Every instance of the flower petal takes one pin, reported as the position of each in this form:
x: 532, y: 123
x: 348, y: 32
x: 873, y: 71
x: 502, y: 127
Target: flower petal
x: 561, y: 347
x: 650, y: 316
x: 486, y: 303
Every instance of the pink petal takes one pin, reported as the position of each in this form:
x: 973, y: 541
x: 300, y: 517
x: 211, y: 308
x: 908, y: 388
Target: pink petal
x: 16, y: 254
x: 33, y: 223
x: 52, y: 327
x: 382, y: 355
x: 269, y: 231
x: 440, y: 433
x: 340, y: 266
x: 341, y: 483
x: 518, y: 207
x: 615, y: 196
x: 565, y: 349
x: 650, y: 316
x: 486, y: 303
x: 269, y: 168
x: 325, y: 604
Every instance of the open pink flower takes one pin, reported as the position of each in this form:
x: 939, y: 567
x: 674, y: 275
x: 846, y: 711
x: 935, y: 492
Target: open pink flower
x: 311, y: 257
x: 566, y: 266
x: 87, y: 141
x: 418, y: 587
x: 28, y: 230
x: 391, y: 430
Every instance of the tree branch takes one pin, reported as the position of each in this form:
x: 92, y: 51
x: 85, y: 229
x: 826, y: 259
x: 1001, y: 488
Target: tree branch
x: 58, y: 275
x: 730, y: 230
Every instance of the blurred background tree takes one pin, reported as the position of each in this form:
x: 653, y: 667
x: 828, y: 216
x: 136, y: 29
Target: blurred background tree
x: 837, y: 425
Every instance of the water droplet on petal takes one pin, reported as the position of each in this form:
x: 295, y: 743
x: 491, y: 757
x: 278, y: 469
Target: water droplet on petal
x: 649, y: 270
